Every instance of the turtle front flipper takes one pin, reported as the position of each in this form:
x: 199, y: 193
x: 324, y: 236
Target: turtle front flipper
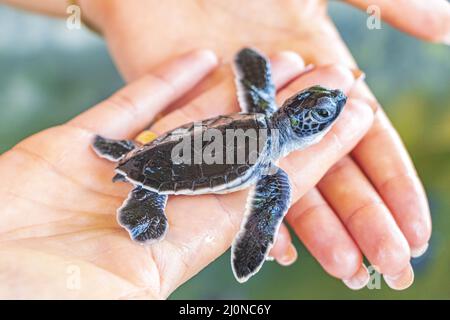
x: 256, y: 90
x: 142, y: 214
x: 113, y: 150
x: 267, y: 204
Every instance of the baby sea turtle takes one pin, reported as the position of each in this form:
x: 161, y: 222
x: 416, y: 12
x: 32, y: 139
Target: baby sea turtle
x: 156, y: 171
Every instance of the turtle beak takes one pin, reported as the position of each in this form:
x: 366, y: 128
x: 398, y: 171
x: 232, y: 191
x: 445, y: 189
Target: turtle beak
x: 340, y: 99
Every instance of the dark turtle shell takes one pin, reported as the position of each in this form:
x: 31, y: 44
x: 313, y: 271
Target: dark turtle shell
x: 208, y: 169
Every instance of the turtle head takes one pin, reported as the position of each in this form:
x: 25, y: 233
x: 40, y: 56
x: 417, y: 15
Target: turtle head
x: 312, y: 111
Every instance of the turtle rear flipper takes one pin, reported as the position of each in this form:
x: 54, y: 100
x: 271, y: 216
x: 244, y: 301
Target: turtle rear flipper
x: 142, y: 214
x: 256, y: 90
x: 266, y: 207
x: 113, y: 150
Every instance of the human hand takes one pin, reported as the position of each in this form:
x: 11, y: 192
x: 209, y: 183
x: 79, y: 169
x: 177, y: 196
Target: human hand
x: 381, y: 210
x: 59, y: 204
x: 60, y: 201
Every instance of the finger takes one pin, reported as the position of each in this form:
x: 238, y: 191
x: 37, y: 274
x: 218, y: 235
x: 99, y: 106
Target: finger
x: 332, y: 76
x: 283, y: 251
x: 429, y: 20
x: 131, y: 109
x: 401, y: 281
x: 393, y: 174
x: 407, y: 200
x: 53, y: 8
x: 366, y: 217
x: 326, y: 238
x: 396, y: 180
x: 222, y: 98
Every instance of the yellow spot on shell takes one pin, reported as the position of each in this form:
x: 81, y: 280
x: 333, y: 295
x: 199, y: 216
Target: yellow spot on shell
x: 146, y: 136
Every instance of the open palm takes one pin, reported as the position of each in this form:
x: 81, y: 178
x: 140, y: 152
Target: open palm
x: 59, y: 219
x: 373, y: 195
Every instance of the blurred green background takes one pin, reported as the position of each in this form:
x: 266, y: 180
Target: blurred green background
x: 47, y: 77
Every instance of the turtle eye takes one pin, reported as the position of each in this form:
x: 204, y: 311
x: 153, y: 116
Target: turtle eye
x: 322, y: 114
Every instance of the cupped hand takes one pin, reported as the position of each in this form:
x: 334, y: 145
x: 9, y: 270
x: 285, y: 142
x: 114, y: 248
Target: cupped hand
x: 58, y: 218
x: 59, y: 237
x: 371, y: 202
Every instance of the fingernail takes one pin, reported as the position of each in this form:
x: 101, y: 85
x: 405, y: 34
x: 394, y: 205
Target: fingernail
x: 289, y: 256
x: 206, y: 55
x: 359, y: 279
x: 291, y: 65
x: 358, y: 74
x: 417, y: 252
x: 308, y: 67
x: 402, y: 280
x: 292, y: 56
x: 374, y: 106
